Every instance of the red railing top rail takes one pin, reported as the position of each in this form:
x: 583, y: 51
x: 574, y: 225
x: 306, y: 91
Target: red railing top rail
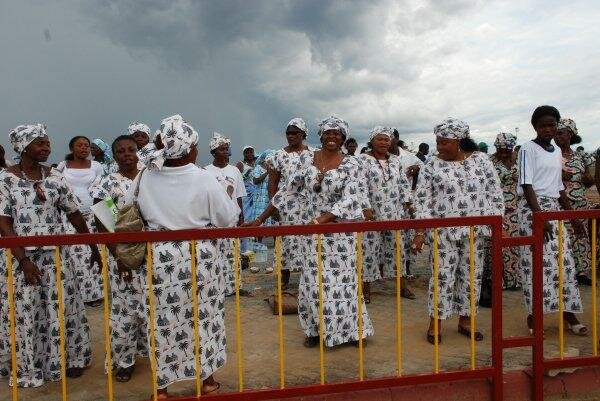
x: 240, y: 232
x: 567, y: 215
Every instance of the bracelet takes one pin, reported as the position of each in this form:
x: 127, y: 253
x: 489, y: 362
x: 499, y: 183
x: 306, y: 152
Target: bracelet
x: 22, y: 259
x: 315, y: 221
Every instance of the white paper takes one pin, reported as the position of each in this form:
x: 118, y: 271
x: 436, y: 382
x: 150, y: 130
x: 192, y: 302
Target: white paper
x: 106, y: 212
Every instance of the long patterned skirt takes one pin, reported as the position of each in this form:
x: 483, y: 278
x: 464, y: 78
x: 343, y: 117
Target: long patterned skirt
x: 571, y: 298
x: 379, y: 255
x: 511, y: 257
x: 340, y: 291
x: 37, y: 330
x: 582, y: 249
x: 291, y: 258
x: 227, y: 260
x: 174, y: 311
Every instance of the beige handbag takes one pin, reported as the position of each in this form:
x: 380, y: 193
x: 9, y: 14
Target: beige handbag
x: 131, y: 255
x: 289, y: 303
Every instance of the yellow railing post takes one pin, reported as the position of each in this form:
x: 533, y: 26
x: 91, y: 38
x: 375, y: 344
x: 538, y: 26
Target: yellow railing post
x: 153, y: 363
x: 561, y: 308
x: 472, y: 291
x: 280, y: 313
x: 61, y: 324
x: 238, y: 322
x: 321, y: 320
x: 398, y: 303
x: 359, y: 263
x: 107, y: 347
x: 194, y: 279
x: 13, y: 326
x: 436, y: 329
x: 594, y: 295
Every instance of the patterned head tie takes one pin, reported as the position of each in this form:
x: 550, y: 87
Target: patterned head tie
x: 138, y: 127
x: 298, y: 123
x: 245, y: 148
x: 567, y: 123
x: 23, y: 135
x: 104, y: 148
x: 452, y: 128
x: 218, y: 140
x: 505, y: 140
x: 334, y: 123
x: 178, y: 137
x: 263, y: 155
x: 380, y: 130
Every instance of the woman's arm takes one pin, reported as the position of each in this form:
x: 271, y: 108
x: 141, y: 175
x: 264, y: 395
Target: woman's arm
x: 32, y: 274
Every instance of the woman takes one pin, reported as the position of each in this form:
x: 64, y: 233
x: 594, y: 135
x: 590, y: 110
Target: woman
x: 140, y: 132
x: 200, y: 203
x: 33, y: 198
x: 260, y: 179
x: 576, y: 179
x: 508, y: 172
x: 350, y: 145
x: 80, y: 173
x: 127, y: 314
x: 325, y: 188
x: 246, y: 167
x: 102, y: 154
x: 541, y: 188
x: 281, y: 165
x: 453, y: 185
x: 388, y: 197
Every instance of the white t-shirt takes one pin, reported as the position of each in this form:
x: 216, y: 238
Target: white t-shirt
x: 229, y: 176
x: 541, y: 169
x: 183, y: 197
x: 80, y: 180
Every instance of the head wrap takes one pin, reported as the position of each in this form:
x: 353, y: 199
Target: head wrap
x: 334, y: 123
x: 482, y: 145
x: 137, y: 126
x: 178, y: 138
x: 245, y: 148
x: 218, y: 140
x: 505, y: 140
x: 104, y: 148
x: 387, y: 131
x: 567, y: 123
x: 451, y: 128
x: 263, y: 155
x: 23, y: 135
x: 298, y: 123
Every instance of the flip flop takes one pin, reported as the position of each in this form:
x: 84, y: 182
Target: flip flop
x: 310, y: 342
x: 406, y: 293
x: 431, y: 338
x: 578, y: 329
x: 478, y: 336
x: 214, y: 390
x: 124, y: 374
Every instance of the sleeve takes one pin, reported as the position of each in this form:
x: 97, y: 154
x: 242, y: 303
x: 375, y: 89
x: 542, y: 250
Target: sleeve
x: 404, y: 186
x: 273, y: 161
x: 67, y: 202
x: 100, y: 189
x: 493, y: 188
x: 291, y: 193
x: 423, y: 198
x: 240, y: 191
x: 223, y: 211
x: 5, y: 204
x: 526, y: 165
x: 258, y: 171
x: 348, y: 207
x: 362, y: 178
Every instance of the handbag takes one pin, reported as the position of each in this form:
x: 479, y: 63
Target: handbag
x: 289, y: 303
x: 131, y: 255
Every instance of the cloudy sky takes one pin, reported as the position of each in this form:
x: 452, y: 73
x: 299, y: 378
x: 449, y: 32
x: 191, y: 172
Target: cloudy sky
x: 244, y: 68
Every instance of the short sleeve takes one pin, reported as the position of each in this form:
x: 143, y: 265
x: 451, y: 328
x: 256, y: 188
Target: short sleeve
x: 101, y: 189
x: 526, y: 166
x: 273, y: 161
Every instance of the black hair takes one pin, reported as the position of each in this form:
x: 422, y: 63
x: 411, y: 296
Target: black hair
x: 543, y: 111
x: 2, y: 159
x: 70, y: 156
x: 396, y: 134
x: 580, y: 148
x: 468, y: 145
x: 423, y: 146
x: 349, y: 141
x: 122, y: 138
x: 401, y: 143
x: 364, y: 149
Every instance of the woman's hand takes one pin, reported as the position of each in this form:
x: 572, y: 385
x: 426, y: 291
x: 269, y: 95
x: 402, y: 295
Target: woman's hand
x: 124, y: 272
x: 417, y: 243
x: 548, y: 231
x: 95, y: 258
x: 253, y: 223
x: 32, y: 274
x: 369, y: 214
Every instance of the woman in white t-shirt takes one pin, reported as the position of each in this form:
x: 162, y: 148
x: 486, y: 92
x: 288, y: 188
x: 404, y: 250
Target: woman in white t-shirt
x: 541, y: 189
x: 80, y: 173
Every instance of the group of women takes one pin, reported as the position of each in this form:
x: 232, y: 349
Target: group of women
x: 305, y: 186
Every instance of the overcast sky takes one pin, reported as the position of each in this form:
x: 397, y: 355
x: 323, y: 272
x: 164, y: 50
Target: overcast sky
x: 245, y: 68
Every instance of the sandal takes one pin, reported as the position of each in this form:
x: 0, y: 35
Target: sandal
x: 95, y: 303
x: 124, y: 374
x: 357, y: 344
x: 310, y: 342
x: 431, y: 338
x: 406, y: 293
x: 466, y: 332
x: 578, y: 329
x: 530, y: 327
x: 74, y: 373
x: 216, y: 388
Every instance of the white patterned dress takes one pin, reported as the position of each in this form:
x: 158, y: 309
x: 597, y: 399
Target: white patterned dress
x: 285, y: 163
x: 128, y: 320
x: 340, y: 194
x: 458, y: 189
x: 36, y: 307
x: 387, y: 190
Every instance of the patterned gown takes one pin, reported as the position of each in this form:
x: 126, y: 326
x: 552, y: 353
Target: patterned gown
x: 284, y: 163
x: 36, y: 307
x: 260, y: 195
x: 340, y: 194
x: 457, y: 189
x: 509, y: 178
x: 387, y: 190
x: 128, y: 321
x: 575, y: 190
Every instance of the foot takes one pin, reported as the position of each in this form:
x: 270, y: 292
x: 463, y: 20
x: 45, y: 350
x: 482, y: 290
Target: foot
x: 310, y: 342
x: 74, y: 373
x: 208, y: 388
x: 95, y: 303
x: 431, y: 337
x: 530, y: 325
x: 584, y: 280
x: 466, y: 331
x: 124, y: 374
x: 406, y: 293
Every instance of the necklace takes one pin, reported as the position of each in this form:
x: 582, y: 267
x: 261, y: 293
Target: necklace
x: 321, y: 174
x: 37, y: 185
x: 380, y: 163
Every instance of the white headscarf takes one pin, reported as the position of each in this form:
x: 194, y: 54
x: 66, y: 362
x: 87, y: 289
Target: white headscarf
x: 334, y: 123
x: 298, y: 123
x: 505, y: 140
x: 177, y: 136
x: 218, y: 140
x: 137, y: 126
x: 387, y: 131
x: 23, y: 135
x: 452, y: 128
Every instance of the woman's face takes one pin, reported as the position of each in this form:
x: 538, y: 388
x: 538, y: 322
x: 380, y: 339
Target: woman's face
x: 562, y: 138
x: 332, y: 139
x: 294, y: 135
x: 141, y: 138
x: 546, y: 128
x: 448, y: 149
x: 381, y: 143
x: 351, y: 148
x: 222, y: 152
x: 504, y: 153
x: 39, y: 149
x: 125, y: 154
x: 95, y: 150
x: 81, y: 148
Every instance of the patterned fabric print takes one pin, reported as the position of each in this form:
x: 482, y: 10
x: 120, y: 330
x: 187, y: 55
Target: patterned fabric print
x: 511, y: 275
x: 285, y: 163
x: 23, y: 135
x: 227, y: 263
x: 575, y: 190
x: 387, y: 191
x: 36, y: 314
x: 250, y: 187
x: 4, y: 319
x: 454, y: 294
x: 173, y: 302
x: 260, y: 195
x: 128, y: 320
x: 340, y: 195
x: 571, y: 298
x: 78, y: 259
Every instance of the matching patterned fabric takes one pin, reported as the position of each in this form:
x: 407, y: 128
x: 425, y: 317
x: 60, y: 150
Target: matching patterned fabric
x: 138, y: 127
x: 567, y: 123
x: 218, y: 140
x: 299, y: 123
x: 23, y: 135
x: 571, y: 298
x: 387, y: 131
x: 177, y: 136
x: 505, y: 140
x: 451, y: 128
x: 340, y: 195
x: 334, y: 123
